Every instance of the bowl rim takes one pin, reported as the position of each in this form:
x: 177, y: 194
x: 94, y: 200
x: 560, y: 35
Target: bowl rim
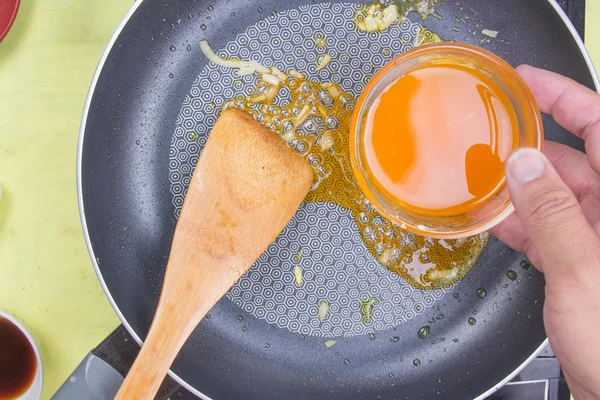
x: 11, y: 19
x: 355, y: 130
x: 34, y: 391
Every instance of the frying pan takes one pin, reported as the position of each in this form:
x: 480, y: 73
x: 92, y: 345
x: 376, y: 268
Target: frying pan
x: 150, y: 107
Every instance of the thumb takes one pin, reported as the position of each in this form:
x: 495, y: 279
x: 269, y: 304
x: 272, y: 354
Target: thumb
x: 550, y: 214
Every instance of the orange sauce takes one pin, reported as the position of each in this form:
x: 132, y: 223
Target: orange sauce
x: 437, y: 138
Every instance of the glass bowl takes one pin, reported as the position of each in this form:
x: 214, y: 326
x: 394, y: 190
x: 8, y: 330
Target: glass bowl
x: 494, y: 209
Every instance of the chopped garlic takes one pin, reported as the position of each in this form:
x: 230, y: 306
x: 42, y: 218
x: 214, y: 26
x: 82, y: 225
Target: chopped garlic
x: 288, y: 136
x: 492, y: 34
x: 323, y: 310
x: 270, y: 79
x: 322, y: 61
x: 326, y: 141
x: 330, y: 343
x: 298, y: 275
x: 244, y: 67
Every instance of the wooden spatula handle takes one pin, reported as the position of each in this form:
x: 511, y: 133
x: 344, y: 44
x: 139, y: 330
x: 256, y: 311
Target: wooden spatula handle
x: 167, y: 335
x: 175, y: 319
x: 151, y: 365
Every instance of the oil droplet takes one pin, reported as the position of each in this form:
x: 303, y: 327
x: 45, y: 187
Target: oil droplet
x: 472, y: 321
x: 233, y: 31
x: 203, y: 27
x: 432, y: 320
x: 244, y: 329
x: 455, y: 340
x: 188, y: 47
x: 346, y: 361
x: 371, y: 335
x: 337, y: 353
x: 266, y: 345
x: 207, y: 316
x: 456, y: 295
x: 418, y: 307
x: 260, y: 9
x: 474, y: 312
x: 302, y: 336
x: 437, y: 341
x: 210, y: 8
x: 206, y: 328
x: 526, y: 265
x: 173, y: 48
x: 171, y: 76
x: 416, y: 362
x: 245, y: 348
x: 481, y: 293
x: 512, y: 275
x: 137, y: 142
x: 439, y: 316
x: 424, y: 332
x: 233, y: 14
x: 190, y: 16
x: 240, y: 318
x: 395, y: 339
x: 386, y: 52
x: 391, y: 375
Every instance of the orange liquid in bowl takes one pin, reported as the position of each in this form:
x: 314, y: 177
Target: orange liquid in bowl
x: 437, y: 138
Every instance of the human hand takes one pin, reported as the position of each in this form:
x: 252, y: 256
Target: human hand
x: 557, y: 224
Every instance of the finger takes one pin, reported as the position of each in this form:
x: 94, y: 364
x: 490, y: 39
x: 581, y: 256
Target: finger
x: 512, y: 233
x: 551, y: 216
x: 573, y: 106
x: 575, y: 171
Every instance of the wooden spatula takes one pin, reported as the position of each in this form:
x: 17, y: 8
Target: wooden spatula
x: 246, y: 187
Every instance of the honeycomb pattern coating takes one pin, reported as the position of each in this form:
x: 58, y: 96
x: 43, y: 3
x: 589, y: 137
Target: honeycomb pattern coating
x: 336, y: 264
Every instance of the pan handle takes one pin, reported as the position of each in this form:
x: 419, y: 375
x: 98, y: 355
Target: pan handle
x: 100, y: 374
x: 93, y: 379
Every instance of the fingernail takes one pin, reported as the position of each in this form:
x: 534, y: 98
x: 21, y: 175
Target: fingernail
x: 525, y: 165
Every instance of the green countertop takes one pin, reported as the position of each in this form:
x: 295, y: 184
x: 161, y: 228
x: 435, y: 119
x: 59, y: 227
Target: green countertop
x: 46, y: 278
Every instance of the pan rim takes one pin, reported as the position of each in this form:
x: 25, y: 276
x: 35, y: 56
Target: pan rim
x: 88, y: 100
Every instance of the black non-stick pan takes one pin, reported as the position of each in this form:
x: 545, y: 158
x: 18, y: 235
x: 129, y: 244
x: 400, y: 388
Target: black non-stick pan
x: 151, y: 105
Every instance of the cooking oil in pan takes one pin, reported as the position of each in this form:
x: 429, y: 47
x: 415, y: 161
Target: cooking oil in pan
x: 314, y: 119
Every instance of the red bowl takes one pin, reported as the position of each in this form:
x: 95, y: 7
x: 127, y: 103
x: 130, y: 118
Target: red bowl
x: 8, y: 13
